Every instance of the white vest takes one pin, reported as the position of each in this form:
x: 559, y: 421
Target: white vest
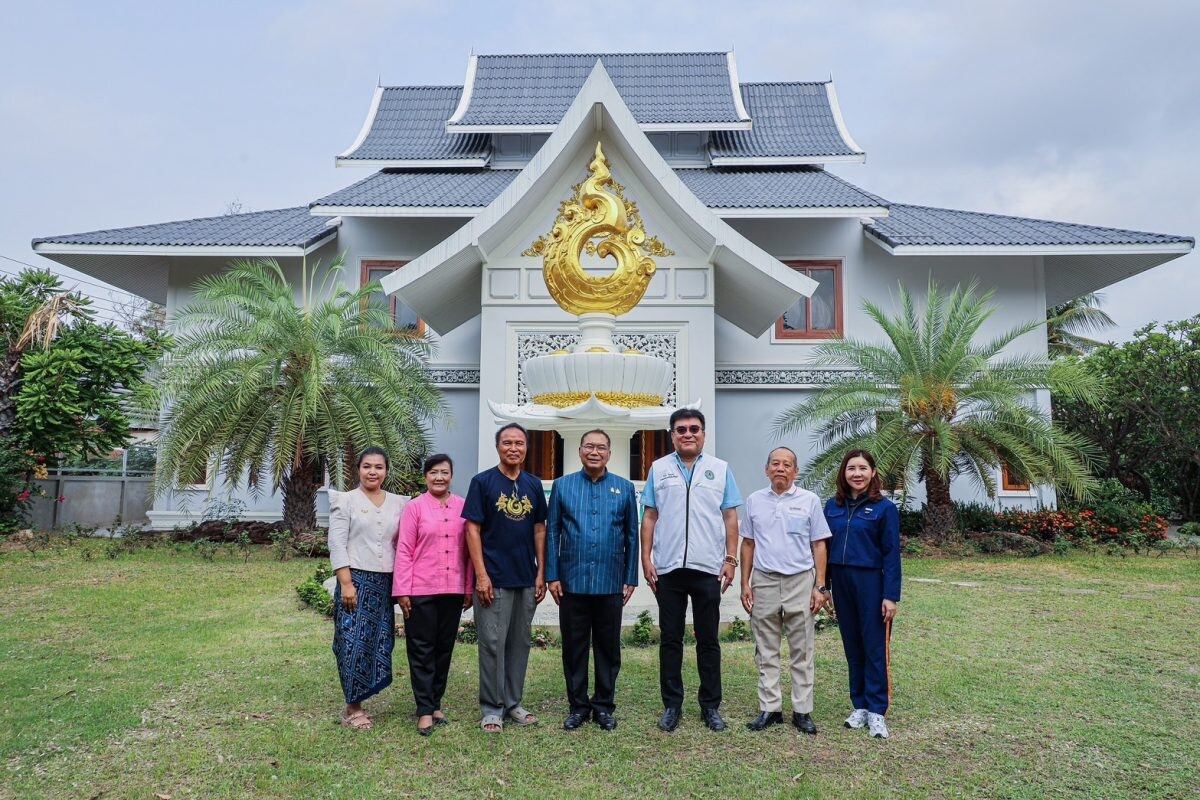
x: 690, y: 531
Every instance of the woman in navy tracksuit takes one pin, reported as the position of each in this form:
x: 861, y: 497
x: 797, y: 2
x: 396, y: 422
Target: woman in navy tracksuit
x: 864, y: 568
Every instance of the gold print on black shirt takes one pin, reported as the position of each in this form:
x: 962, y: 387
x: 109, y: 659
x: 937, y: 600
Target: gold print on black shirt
x: 514, y: 508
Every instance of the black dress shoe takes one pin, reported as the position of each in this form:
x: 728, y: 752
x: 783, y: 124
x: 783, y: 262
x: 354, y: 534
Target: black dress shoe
x: 575, y: 721
x: 426, y: 731
x: 669, y: 720
x: 804, y: 723
x: 607, y: 722
x: 765, y: 720
x: 440, y: 721
x: 712, y: 718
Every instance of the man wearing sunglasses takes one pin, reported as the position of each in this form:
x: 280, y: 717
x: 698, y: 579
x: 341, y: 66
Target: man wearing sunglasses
x: 689, y: 537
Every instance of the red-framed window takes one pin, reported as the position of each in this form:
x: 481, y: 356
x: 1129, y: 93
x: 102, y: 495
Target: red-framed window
x: 819, y: 316
x: 404, y: 318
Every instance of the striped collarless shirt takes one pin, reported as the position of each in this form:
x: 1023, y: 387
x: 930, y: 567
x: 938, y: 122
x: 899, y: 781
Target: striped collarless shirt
x: 592, y: 534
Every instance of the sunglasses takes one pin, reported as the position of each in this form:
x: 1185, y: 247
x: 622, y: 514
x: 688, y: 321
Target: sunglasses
x: 680, y: 430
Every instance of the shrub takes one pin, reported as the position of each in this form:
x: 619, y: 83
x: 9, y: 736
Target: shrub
x: 1189, y: 529
x: 313, y: 592
x: 642, y: 632
x: 913, y: 546
x: 281, y: 542
x: 542, y: 638
x: 738, y: 631
x: 205, y: 548
x: 910, y: 522
x: 1061, y: 545
x: 975, y: 517
x: 824, y: 620
x: 468, y: 633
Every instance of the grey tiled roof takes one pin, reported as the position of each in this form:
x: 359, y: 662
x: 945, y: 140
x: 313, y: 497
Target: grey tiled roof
x: 473, y: 188
x: 718, y: 187
x: 790, y: 119
x: 775, y: 187
x: 284, y: 227
x: 924, y: 226
x: 657, y: 87
x: 410, y: 123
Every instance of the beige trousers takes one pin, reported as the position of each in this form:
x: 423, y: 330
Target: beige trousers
x: 781, y: 602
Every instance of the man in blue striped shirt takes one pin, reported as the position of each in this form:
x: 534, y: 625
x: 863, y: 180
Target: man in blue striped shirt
x: 591, y: 570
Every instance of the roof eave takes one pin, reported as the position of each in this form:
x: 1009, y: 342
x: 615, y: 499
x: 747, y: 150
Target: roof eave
x: 648, y: 127
x: 367, y: 124
x: 412, y: 163
x: 786, y: 161
x: 1163, y: 248
x: 395, y: 211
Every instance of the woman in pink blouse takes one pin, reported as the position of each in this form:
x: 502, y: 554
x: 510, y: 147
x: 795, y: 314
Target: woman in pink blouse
x: 433, y: 583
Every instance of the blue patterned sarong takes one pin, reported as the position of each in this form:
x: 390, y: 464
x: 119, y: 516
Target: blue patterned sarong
x: 363, y: 639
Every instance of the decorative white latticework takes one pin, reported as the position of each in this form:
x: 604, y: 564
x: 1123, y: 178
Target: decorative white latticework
x: 540, y: 343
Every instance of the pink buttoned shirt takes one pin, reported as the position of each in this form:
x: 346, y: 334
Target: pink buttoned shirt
x: 431, y: 552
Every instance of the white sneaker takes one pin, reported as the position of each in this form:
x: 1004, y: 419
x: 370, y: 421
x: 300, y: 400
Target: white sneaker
x: 876, y: 725
x: 858, y: 719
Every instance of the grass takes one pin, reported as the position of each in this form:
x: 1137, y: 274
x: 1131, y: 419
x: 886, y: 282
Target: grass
x: 159, y: 672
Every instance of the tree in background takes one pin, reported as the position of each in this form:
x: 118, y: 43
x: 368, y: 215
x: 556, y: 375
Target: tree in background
x: 934, y: 403
x: 1148, y: 424
x: 1068, y: 324
x: 277, y: 393
x: 66, y: 381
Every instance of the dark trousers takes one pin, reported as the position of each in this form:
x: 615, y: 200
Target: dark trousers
x: 591, y: 622
x: 674, y: 589
x: 429, y: 634
x: 858, y: 598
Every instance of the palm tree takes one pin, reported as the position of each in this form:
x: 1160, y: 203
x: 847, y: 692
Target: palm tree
x: 1067, y: 323
x: 279, y: 392
x: 933, y: 403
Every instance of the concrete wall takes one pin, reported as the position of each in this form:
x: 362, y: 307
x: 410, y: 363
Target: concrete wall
x: 90, y: 500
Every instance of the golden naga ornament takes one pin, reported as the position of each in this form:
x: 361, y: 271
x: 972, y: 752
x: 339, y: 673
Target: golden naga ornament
x: 598, y: 211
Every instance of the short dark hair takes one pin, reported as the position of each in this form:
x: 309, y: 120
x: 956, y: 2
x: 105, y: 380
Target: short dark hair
x: 375, y: 451
x: 874, y: 490
x: 586, y: 434
x: 434, y: 460
x: 686, y: 413
x: 512, y: 426
x: 795, y: 460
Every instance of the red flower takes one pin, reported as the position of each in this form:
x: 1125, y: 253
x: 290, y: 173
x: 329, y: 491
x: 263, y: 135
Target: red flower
x: 23, y: 496
x: 62, y: 498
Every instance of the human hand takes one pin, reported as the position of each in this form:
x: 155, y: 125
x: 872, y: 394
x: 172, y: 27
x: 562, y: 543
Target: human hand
x: 651, y: 574
x: 747, y: 598
x: 405, y: 603
x: 626, y: 593
x: 889, y: 610
x: 555, y: 588
x: 349, y: 597
x: 817, y: 601
x: 467, y: 601
x: 726, y: 576
x: 539, y: 589
x: 483, y: 588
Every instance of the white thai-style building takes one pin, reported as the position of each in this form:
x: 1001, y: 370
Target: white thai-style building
x: 772, y: 253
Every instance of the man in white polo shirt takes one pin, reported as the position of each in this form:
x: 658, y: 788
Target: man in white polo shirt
x: 784, y: 533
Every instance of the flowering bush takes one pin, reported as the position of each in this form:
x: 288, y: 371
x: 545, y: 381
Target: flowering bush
x: 1084, y: 525
x: 16, y: 491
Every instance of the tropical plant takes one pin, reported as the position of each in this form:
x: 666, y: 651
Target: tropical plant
x: 276, y: 393
x: 1068, y: 323
x: 932, y: 402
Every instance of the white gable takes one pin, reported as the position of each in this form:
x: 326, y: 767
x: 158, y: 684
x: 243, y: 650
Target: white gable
x: 752, y: 288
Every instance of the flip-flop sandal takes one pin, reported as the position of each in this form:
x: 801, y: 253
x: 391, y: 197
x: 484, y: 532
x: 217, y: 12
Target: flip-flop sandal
x: 522, y: 717
x: 359, y: 721
x: 492, y: 724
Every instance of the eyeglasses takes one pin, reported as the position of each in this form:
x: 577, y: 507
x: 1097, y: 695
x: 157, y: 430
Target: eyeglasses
x: 597, y: 448
x: 680, y: 430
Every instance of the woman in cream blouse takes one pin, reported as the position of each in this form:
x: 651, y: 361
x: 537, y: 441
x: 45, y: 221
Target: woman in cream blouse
x: 363, y: 524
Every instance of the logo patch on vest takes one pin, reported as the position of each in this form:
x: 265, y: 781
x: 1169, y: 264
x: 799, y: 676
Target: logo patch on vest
x: 708, y: 473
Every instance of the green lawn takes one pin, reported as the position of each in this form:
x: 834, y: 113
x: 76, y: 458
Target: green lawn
x: 162, y: 673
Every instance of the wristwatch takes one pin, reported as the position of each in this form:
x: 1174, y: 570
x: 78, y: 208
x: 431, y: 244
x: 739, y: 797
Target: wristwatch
x: 731, y: 561
x: 823, y: 589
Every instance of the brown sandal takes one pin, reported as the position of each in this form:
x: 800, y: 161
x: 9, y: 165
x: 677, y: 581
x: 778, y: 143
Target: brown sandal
x: 359, y: 721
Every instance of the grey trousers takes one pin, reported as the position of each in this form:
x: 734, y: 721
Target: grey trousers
x: 781, y: 602
x: 503, y: 649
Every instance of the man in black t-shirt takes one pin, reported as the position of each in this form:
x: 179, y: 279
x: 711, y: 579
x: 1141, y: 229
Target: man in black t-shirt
x: 506, y: 535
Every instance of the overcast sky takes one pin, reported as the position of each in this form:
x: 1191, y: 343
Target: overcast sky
x: 124, y: 113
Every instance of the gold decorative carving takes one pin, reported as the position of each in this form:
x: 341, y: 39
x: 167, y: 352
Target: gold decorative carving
x: 622, y: 399
x: 598, y: 220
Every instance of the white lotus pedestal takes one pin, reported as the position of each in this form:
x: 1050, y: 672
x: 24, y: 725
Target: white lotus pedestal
x: 593, y: 385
